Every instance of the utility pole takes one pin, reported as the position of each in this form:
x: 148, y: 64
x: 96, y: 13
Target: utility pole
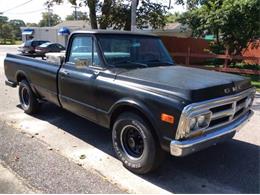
x: 75, y: 12
x: 49, y: 21
x: 49, y: 4
x: 170, y: 3
x: 133, y: 15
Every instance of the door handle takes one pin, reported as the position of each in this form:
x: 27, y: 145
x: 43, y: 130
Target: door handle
x: 65, y: 72
x: 96, y: 73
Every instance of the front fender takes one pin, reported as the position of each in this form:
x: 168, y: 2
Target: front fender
x: 136, y: 105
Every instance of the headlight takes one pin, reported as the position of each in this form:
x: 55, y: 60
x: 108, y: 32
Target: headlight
x: 193, y: 122
x: 201, y: 120
x: 248, y: 102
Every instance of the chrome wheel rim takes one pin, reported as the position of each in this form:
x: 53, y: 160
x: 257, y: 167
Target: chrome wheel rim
x: 25, y: 97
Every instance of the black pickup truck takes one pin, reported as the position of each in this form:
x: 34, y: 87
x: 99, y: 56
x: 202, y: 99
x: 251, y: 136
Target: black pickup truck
x: 128, y: 82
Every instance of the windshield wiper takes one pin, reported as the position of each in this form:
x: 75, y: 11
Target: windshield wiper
x: 157, y: 61
x: 126, y: 63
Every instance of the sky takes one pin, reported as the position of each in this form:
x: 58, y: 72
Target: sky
x: 31, y: 11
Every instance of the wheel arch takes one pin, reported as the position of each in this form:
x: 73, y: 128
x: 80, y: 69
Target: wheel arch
x: 137, y: 107
x: 21, y: 75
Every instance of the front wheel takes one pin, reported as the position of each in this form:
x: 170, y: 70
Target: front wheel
x: 135, y: 145
x: 28, y: 100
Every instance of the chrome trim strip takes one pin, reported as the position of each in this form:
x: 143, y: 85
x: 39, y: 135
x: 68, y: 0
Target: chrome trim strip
x: 224, y: 113
x: 183, y: 148
x: 199, y: 107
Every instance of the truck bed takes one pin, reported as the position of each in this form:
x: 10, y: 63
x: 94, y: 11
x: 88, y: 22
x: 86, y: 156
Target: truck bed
x: 41, y: 74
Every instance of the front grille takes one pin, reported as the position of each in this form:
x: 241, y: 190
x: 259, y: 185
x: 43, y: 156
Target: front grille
x: 221, y: 108
x: 223, y: 111
x: 224, y: 114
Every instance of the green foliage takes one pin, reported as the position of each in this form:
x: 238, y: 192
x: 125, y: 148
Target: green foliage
x: 190, y: 4
x: 3, y: 20
x: 116, y: 14
x: 153, y: 14
x: 10, y: 30
x: 7, y: 33
x: 233, y: 22
x: 31, y: 24
x: 52, y: 19
x: 16, y: 24
x: 245, y: 66
x: 80, y: 16
x: 171, y: 18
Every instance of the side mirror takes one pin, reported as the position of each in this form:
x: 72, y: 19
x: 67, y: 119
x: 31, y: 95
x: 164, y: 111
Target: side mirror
x: 55, y: 58
x: 81, y: 62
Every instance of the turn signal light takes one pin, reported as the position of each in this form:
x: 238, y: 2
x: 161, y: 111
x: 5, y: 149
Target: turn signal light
x: 167, y: 118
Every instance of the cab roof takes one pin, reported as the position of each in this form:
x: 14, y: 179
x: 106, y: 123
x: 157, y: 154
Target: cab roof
x: 113, y: 32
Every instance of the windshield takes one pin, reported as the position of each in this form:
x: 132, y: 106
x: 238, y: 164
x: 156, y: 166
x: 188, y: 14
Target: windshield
x: 130, y: 51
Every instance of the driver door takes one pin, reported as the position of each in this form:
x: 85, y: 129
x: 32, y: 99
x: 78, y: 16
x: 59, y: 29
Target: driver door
x: 77, y: 78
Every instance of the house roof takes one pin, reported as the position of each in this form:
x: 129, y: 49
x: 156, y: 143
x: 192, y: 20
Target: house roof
x: 74, y: 23
x: 173, y: 29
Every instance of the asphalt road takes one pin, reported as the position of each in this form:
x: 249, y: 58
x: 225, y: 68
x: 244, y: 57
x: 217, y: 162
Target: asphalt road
x: 231, y: 167
x: 10, y: 183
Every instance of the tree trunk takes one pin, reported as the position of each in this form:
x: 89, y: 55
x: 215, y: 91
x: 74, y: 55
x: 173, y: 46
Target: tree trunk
x: 128, y: 21
x: 217, y: 36
x: 92, y: 13
x: 106, y: 9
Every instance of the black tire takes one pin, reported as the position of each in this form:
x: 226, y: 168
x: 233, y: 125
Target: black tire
x: 28, y: 100
x: 135, y: 144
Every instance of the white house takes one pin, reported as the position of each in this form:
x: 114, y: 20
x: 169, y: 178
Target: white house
x: 55, y: 33
x: 58, y: 33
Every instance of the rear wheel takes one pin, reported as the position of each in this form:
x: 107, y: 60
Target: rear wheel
x: 28, y: 100
x: 135, y: 145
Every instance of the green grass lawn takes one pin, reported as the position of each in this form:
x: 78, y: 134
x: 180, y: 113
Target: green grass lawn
x: 9, y: 42
x: 255, y: 80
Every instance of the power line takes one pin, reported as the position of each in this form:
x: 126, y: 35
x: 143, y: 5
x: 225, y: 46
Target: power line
x: 29, y: 12
x: 20, y: 5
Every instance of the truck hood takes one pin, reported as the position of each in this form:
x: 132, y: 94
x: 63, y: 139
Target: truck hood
x: 192, y: 84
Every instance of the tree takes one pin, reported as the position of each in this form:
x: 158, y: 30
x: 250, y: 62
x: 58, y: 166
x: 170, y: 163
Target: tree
x: 171, y: 18
x: 6, y: 33
x: 153, y: 14
x: 54, y: 19
x: 116, y: 13
x: 190, y: 4
x: 80, y: 16
x: 3, y: 20
x: 16, y: 24
x: 233, y: 22
x: 28, y: 24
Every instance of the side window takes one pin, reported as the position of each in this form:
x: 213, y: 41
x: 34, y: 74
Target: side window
x: 81, y: 51
x: 53, y: 47
x: 35, y: 43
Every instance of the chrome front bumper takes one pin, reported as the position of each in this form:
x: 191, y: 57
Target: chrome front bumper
x: 185, y: 147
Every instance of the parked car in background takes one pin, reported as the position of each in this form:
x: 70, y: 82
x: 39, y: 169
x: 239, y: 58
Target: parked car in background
x: 28, y: 47
x: 48, y: 47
